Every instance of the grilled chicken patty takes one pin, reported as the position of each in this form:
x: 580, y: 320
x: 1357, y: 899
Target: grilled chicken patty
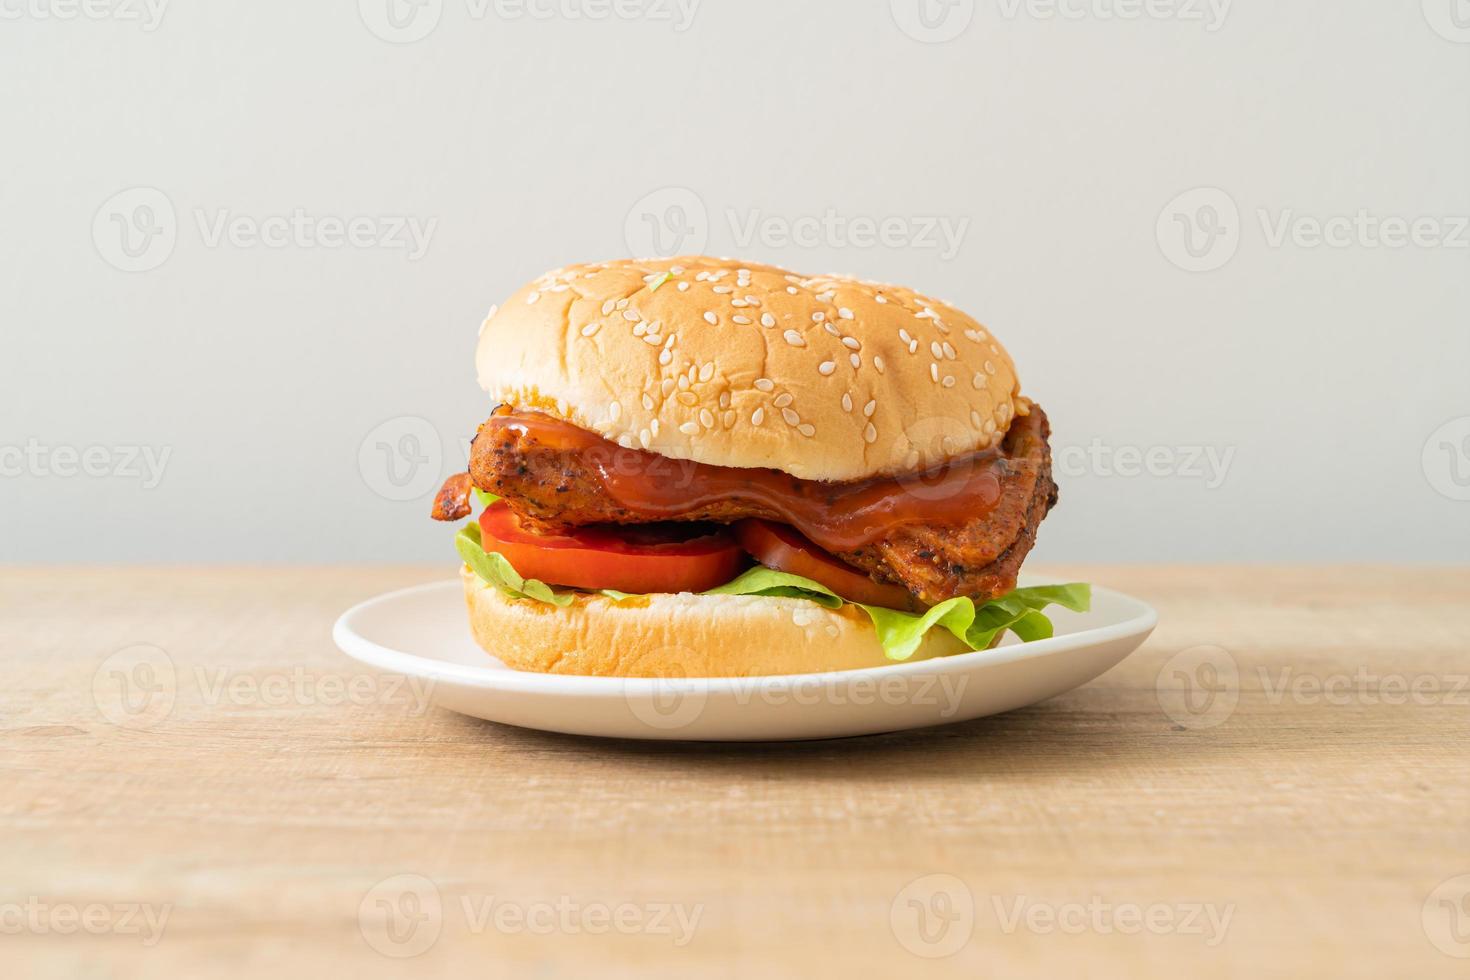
x: 552, y: 488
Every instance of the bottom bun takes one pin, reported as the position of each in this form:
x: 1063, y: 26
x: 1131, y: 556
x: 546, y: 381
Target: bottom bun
x: 683, y: 635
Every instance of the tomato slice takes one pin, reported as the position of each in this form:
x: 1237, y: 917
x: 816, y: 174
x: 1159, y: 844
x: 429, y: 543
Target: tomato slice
x: 786, y: 549
x: 637, y: 559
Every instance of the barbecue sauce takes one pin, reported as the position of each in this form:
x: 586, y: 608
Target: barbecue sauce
x: 837, y: 516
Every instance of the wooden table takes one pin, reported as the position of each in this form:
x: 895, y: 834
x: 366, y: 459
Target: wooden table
x: 1309, y: 816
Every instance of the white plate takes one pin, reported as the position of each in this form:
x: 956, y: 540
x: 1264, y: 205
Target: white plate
x: 423, y: 632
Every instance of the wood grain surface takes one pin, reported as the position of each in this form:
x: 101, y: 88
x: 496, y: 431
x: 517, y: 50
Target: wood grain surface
x: 1277, y: 784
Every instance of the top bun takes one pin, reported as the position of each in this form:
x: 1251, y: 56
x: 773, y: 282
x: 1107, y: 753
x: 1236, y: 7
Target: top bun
x: 737, y: 364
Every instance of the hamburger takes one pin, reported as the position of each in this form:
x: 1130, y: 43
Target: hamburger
x: 707, y: 467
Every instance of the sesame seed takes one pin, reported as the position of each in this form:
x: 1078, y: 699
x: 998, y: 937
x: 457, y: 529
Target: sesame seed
x: 933, y: 372
x: 665, y: 357
x: 904, y: 336
x: 621, y: 304
x: 706, y: 418
x: 978, y: 380
x: 741, y: 319
x: 644, y: 438
x: 632, y: 316
x: 615, y: 411
x: 844, y: 312
x: 724, y: 399
x: 666, y: 387
x: 870, y: 408
x: 878, y: 363
x: 722, y: 290
x: 758, y: 416
x: 647, y: 402
x: 807, y: 429
x: 989, y: 367
x: 990, y: 426
x: 857, y: 361
x: 739, y: 304
x: 795, y: 339
x: 978, y: 336
x: 752, y: 301
x: 827, y: 367
x: 935, y: 349
x: 846, y: 402
x: 880, y: 298
x: 949, y: 381
x: 707, y: 372
x: 653, y: 426
x: 765, y: 384
x: 818, y: 316
x: 975, y: 419
x: 913, y: 347
x: 767, y: 320
x: 607, y: 307
x: 870, y: 434
x: 949, y: 351
x: 653, y: 340
x: 790, y: 416
x: 727, y: 419
x: 683, y: 287
x: 687, y: 398
x: 532, y: 297
x: 690, y: 428
x: 852, y: 343
x: 625, y: 441
x: 591, y: 329
x: 710, y: 318
x: 640, y: 328
x: 784, y: 399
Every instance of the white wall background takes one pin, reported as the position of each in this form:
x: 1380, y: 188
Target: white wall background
x: 1323, y: 374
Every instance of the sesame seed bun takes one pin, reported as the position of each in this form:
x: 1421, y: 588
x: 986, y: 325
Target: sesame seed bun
x: 679, y: 635
x: 738, y: 364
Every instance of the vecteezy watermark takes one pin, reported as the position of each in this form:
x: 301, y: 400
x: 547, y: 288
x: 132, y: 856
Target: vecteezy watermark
x: 147, y: 14
x: 665, y: 222
x: 1446, y: 916
x: 1364, y: 686
x: 1199, y: 687
x: 1201, y: 230
x: 1446, y: 459
x: 932, y: 21
x: 1205, y: 920
x: 406, y: 21
x: 38, y: 917
x: 136, y: 687
x: 933, y: 916
x: 1449, y: 18
x: 402, y: 458
x: 669, y: 704
x: 137, y: 229
x: 299, y: 687
x: 404, y: 916
x: 1209, y: 13
x: 1207, y: 464
x: 145, y: 464
x: 299, y: 229
x: 673, y: 221
x: 942, y: 234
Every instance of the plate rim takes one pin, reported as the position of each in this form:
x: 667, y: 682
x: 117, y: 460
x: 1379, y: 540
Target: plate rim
x: 366, y: 651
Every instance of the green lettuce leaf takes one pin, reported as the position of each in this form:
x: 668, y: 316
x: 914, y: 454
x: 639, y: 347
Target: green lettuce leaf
x: 493, y: 569
x: 900, y: 633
